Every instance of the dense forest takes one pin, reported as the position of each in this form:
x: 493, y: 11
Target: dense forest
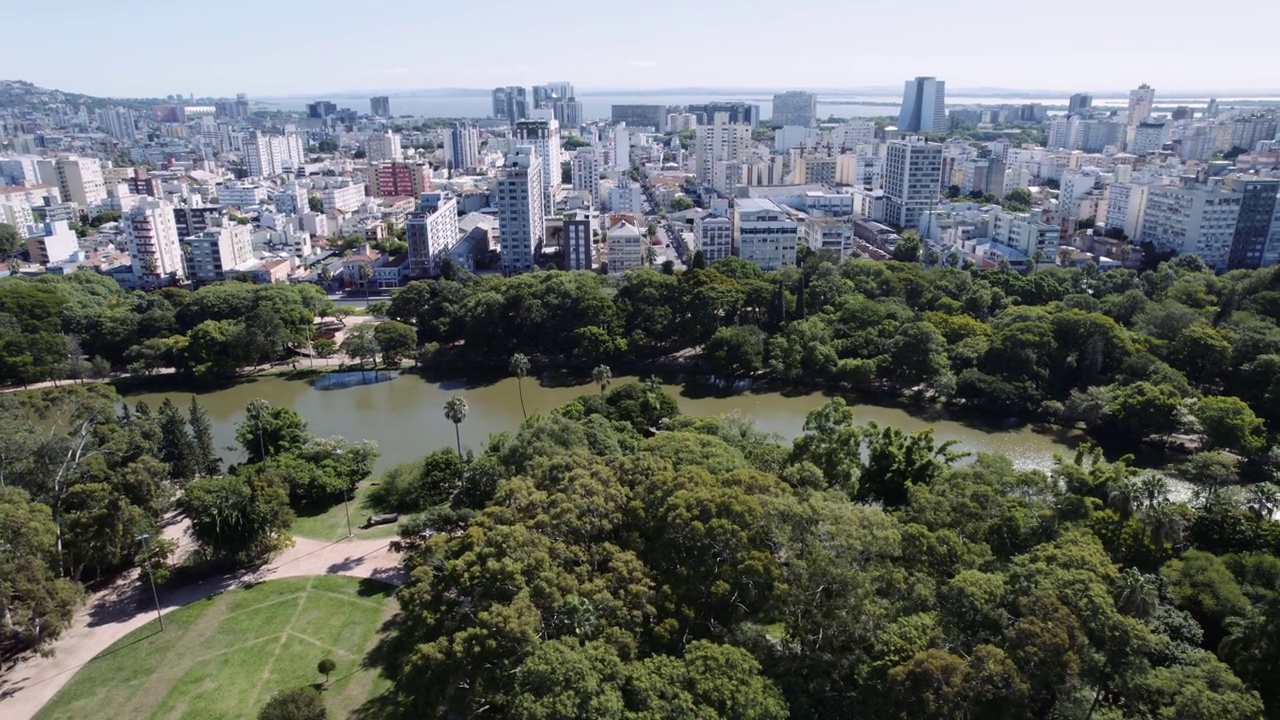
x: 591, y: 565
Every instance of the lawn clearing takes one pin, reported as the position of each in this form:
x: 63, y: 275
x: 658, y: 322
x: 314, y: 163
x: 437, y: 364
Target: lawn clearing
x: 331, y: 524
x: 224, y: 656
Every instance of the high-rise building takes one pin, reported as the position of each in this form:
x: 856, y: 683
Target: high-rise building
x: 321, y: 109
x: 400, y: 179
x: 118, y: 123
x: 1141, y: 103
x: 344, y: 198
x: 292, y: 199
x: 380, y: 106
x: 23, y: 171
x: 578, y: 253
x: 735, y: 112
x: 193, y: 220
x: 154, y: 245
x: 1079, y: 102
x: 462, y: 146
x: 270, y: 155
x: 1194, y: 220
x: 544, y: 137
x: 640, y: 116
x: 912, y: 179
x: 544, y: 95
x: 1126, y: 202
x: 764, y: 233
x: 510, y: 103
x: 586, y: 173
x: 431, y: 231
x: 627, y: 248
x: 1246, y: 132
x: 719, y: 143
x: 215, y: 253
x: 795, y: 108
x: 520, y: 209
x: 1253, y: 227
x: 79, y: 179
x: 924, y: 106
x: 51, y: 242
x: 1148, y: 137
x: 621, y: 147
x: 383, y: 147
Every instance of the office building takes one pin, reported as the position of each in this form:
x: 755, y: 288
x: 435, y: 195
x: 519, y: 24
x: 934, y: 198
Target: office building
x: 795, y: 108
x: 923, y: 106
x: 79, y: 179
x: 717, y: 144
x: 640, y: 116
x: 544, y: 137
x: 382, y: 147
x: 431, y: 231
x: 237, y: 109
x: 585, y: 168
x: 764, y: 233
x: 217, y: 253
x: 380, y: 106
x: 321, y: 109
x: 578, y: 243
x: 558, y: 97
x: 1141, y: 103
x: 1254, y: 225
x: 1196, y: 220
x: 342, y: 198
x: 154, y: 246
x: 510, y: 104
x: 735, y: 112
x: 51, y: 242
x: 462, y: 147
x: 627, y: 247
x: 912, y: 178
x: 1080, y: 102
x: 521, y: 218
x: 267, y: 155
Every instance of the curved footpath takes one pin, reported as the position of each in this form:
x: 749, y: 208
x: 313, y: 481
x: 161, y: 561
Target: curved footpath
x: 115, y: 612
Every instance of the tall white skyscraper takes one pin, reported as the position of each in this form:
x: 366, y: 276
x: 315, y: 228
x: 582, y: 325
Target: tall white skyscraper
x: 586, y: 173
x: 621, y: 147
x: 520, y: 211
x: 154, y: 246
x: 1141, y: 102
x: 383, y: 147
x: 912, y: 178
x: 719, y: 143
x: 79, y: 179
x: 462, y: 146
x: 270, y: 155
x: 544, y: 137
x: 923, y: 106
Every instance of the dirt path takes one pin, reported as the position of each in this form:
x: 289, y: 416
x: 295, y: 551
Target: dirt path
x: 117, y: 611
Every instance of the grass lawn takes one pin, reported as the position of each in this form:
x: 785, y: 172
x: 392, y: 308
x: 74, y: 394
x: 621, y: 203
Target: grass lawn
x: 332, y: 523
x: 224, y: 656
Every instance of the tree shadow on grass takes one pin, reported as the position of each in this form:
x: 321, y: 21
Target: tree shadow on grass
x: 375, y: 587
x: 385, y: 657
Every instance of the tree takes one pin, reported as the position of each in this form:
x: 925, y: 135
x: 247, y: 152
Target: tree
x: 699, y: 261
x: 206, y: 457
x: 300, y: 703
x: 602, y: 376
x: 325, y: 667
x: 242, y: 518
x: 519, y: 366
x: 315, y: 204
x: 396, y: 340
x: 36, y: 602
x: 682, y: 203
x: 325, y: 348
x: 456, y: 411
x: 364, y: 273
x: 736, y: 350
x: 361, y: 343
x: 1230, y: 424
x: 908, y: 248
x: 10, y: 239
x: 267, y: 431
x: 176, y: 445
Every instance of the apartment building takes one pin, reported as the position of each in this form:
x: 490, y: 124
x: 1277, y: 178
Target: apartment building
x: 764, y: 233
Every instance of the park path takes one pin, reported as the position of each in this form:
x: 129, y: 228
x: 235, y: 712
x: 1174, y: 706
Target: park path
x: 120, y: 609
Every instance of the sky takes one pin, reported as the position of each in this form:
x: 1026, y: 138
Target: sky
x: 152, y: 48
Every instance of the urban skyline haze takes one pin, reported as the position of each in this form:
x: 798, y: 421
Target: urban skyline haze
x: 291, y: 47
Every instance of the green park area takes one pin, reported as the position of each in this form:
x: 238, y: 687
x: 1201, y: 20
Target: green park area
x: 224, y: 657
x: 331, y: 523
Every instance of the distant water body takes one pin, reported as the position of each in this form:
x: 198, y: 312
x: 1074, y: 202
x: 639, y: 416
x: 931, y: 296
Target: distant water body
x: 464, y: 103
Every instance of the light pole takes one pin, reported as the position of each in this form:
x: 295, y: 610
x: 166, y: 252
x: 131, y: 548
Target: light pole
x: 345, y: 491
x: 146, y: 554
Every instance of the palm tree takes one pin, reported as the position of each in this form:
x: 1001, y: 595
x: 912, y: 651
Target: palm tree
x: 365, y: 272
x: 1166, y: 524
x: 456, y: 410
x: 1125, y: 497
x: 1262, y: 500
x: 602, y: 375
x: 519, y: 367
x: 1154, y: 489
x: 1064, y: 255
x: 1137, y: 592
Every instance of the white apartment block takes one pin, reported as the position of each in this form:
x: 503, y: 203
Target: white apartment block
x: 383, y: 147
x: 586, y: 172
x: 431, y: 234
x: 626, y: 197
x: 1141, y: 103
x: 1200, y: 221
x: 764, y: 233
x: 17, y: 204
x: 912, y: 178
x: 1075, y: 186
x: 292, y: 199
x: 851, y: 134
x: 627, y: 248
x: 51, y: 242
x: 681, y: 122
x: 1026, y: 235
x: 154, y: 246
x: 241, y: 194
x: 1126, y: 202
x: 343, y: 198
x: 544, y: 137
x: 216, y: 253
x: 79, y: 179
x: 462, y: 146
x: 521, y: 218
x: 1148, y: 137
x: 714, y: 236
x: 24, y: 171
x: 720, y: 142
x: 270, y: 155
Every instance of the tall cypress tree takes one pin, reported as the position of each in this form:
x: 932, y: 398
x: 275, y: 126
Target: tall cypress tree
x: 176, y: 447
x: 206, y: 455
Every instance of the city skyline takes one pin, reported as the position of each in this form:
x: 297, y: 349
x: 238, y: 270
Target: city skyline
x: 232, y: 61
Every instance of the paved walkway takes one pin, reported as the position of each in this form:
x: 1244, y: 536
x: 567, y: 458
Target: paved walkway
x: 119, y: 610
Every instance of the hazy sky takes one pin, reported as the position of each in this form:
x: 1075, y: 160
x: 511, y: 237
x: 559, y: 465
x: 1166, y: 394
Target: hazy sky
x: 273, y: 47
